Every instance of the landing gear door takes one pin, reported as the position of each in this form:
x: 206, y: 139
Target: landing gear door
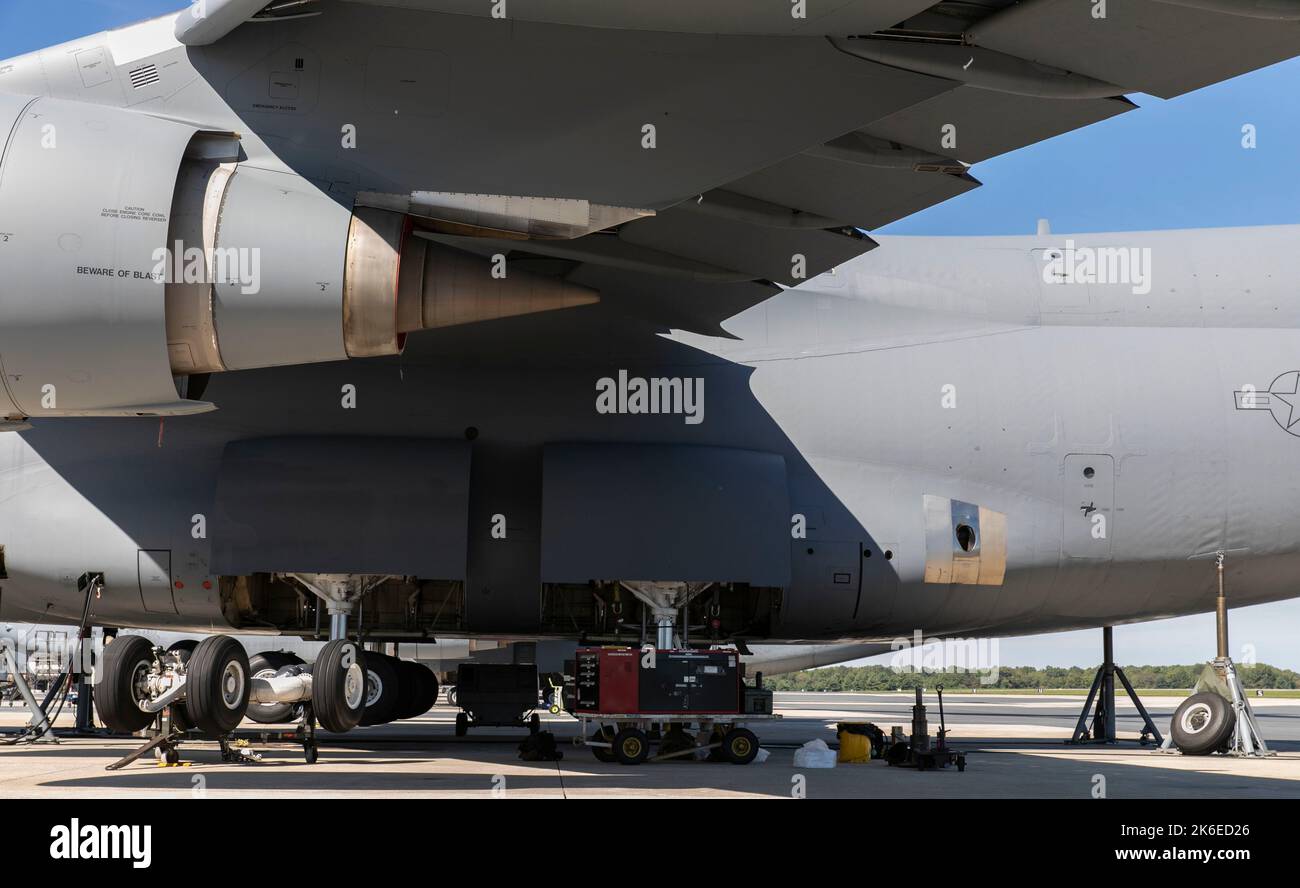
x: 155, y: 572
x: 1088, y: 505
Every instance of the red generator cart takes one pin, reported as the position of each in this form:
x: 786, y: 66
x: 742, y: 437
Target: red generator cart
x: 685, y: 703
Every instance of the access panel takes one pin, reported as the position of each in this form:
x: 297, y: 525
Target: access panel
x: 1088, y: 505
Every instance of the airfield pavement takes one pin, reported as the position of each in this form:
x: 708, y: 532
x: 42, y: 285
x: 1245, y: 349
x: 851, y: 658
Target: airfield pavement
x: 1015, y: 747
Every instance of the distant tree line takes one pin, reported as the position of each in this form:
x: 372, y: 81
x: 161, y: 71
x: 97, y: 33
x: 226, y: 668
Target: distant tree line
x: 884, y: 678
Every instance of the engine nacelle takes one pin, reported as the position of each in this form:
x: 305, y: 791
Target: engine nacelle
x: 134, y: 250
x: 85, y: 194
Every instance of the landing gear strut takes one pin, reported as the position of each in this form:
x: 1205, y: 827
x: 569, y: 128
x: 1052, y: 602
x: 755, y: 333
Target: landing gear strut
x: 1103, y: 690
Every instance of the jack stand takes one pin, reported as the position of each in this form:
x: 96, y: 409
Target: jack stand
x: 1247, y: 739
x: 39, y: 724
x: 162, y: 740
x: 1103, y: 690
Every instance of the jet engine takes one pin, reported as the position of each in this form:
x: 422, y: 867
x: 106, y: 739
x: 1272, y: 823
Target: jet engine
x: 134, y: 250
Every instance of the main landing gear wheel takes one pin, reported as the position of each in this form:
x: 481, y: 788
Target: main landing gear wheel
x: 124, y: 685
x: 740, y: 746
x: 631, y: 746
x: 382, y: 689
x: 217, y: 685
x: 338, y: 686
x: 417, y: 689
x: 267, y: 665
x: 1202, y: 724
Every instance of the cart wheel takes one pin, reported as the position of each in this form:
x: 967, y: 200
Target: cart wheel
x: 740, y: 746
x: 961, y: 763
x: 631, y: 746
x: 534, y: 723
x: 462, y: 724
x: 311, y: 754
x: 603, y: 753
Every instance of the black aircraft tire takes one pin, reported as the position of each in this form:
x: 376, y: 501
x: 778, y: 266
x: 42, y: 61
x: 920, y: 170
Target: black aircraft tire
x: 1202, y: 723
x: 183, y: 648
x: 266, y: 665
x: 383, y: 688
x: 417, y: 689
x: 126, y: 659
x: 217, y: 684
x: 338, y: 686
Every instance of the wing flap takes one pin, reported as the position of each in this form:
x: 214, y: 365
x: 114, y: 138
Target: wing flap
x: 789, y: 256
x: 1165, y: 49
x: 986, y: 123
x: 852, y: 194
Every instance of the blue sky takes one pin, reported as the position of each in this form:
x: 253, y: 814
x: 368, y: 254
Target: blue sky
x: 1169, y: 164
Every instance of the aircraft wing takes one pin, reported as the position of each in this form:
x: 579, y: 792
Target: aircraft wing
x: 808, y: 124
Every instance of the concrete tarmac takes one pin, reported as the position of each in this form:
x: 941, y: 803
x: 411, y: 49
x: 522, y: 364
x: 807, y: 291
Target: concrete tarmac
x: 1015, y: 750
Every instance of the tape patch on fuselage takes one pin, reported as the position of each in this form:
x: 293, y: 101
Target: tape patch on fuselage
x: 965, y: 544
x: 135, y: 42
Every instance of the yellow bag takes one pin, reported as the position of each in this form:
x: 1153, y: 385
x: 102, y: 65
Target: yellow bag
x: 855, y: 748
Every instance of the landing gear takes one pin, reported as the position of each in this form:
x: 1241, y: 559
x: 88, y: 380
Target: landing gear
x: 383, y: 687
x: 217, y: 685
x: 123, y: 688
x: 213, y: 688
x: 338, y: 684
x: 183, y: 649
x: 267, y: 665
x: 417, y: 689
